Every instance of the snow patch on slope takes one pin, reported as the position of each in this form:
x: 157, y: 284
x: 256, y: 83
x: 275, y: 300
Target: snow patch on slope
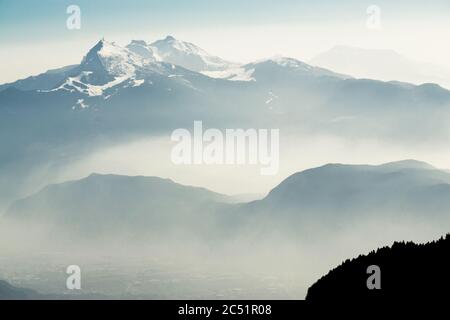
x: 73, y: 84
x: 80, y: 104
x: 272, y: 97
x: 233, y: 74
x: 137, y: 83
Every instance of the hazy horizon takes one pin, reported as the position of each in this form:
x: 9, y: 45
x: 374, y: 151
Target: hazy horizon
x: 297, y: 29
x: 232, y: 173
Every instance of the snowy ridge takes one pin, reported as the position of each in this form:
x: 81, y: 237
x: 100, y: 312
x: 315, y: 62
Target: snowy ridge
x: 73, y: 84
x: 297, y: 66
x: 290, y: 63
x: 187, y: 55
x: 141, y: 48
x: 119, y: 64
x: 119, y: 61
x: 108, y: 65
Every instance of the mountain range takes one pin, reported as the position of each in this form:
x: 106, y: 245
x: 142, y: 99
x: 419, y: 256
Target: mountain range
x: 385, y: 65
x: 110, y: 204
x: 331, y: 197
x: 118, y: 94
x: 150, y: 89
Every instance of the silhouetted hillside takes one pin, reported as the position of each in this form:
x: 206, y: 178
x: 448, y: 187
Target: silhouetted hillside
x: 308, y: 204
x: 8, y: 292
x: 112, y: 204
x: 407, y: 271
x: 339, y: 194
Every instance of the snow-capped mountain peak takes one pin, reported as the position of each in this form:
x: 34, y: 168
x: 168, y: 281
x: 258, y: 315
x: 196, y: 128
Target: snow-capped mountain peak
x: 143, y: 49
x: 108, y: 65
x: 289, y: 62
x: 187, y: 55
x: 267, y: 67
x: 293, y: 65
x: 168, y: 44
x: 116, y: 60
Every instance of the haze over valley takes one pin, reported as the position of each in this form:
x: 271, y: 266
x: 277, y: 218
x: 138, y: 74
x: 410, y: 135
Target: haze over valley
x: 86, y: 176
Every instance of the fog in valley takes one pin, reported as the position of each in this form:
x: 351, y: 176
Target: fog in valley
x: 131, y: 246
x: 89, y: 174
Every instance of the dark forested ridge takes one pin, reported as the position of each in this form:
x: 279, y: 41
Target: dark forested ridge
x: 407, y: 271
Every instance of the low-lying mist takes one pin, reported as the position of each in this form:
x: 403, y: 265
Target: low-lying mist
x: 195, y: 255
x: 150, y: 156
x: 252, y: 263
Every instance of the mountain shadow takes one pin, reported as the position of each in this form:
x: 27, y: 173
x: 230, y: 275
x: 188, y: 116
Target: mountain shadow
x: 407, y: 271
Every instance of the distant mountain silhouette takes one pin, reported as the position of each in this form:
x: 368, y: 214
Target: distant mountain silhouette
x: 335, y: 193
x: 335, y: 190
x: 113, y: 204
x: 379, y: 64
x: 408, y: 271
x: 327, y: 198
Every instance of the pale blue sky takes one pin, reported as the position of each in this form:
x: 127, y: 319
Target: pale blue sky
x: 241, y: 30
